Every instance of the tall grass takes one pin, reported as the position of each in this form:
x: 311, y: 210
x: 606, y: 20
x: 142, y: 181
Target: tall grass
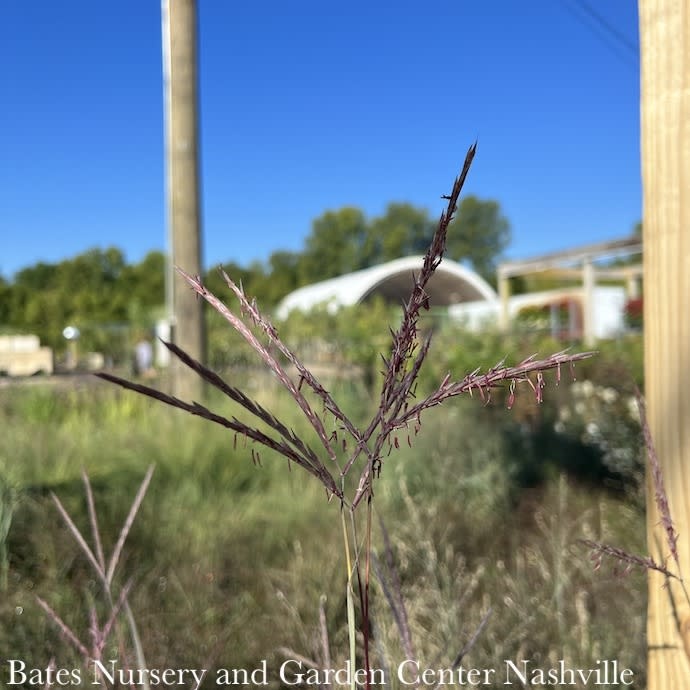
x: 220, y: 580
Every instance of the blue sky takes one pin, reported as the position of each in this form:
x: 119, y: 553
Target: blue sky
x: 309, y: 106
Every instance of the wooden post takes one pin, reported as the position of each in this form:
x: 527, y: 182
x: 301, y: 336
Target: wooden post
x: 504, y: 296
x: 182, y: 156
x: 665, y: 93
x: 588, y: 285
x: 632, y: 284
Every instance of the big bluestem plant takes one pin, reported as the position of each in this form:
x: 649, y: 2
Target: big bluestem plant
x: 350, y: 448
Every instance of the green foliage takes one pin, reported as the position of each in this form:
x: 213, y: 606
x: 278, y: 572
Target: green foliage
x: 457, y: 556
x: 9, y: 498
x: 282, y: 277
x: 228, y: 555
x: 594, y: 442
x: 344, y: 240
x: 355, y: 337
x: 95, y: 291
x: 5, y: 303
x: 108, y: 299
x: 348, y: 346
x: 402, y: 231
x: 479, y: 234
x: 336, y: 245
x: 145, y: 288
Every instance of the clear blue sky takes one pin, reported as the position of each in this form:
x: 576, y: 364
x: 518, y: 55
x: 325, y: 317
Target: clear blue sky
x: 309, y: 106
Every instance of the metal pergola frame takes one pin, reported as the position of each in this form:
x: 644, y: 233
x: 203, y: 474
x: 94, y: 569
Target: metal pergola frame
x: 578, y: 262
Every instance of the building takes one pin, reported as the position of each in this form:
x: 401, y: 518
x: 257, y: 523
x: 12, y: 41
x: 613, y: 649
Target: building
x: 592, y: 311
x: 450, y: 284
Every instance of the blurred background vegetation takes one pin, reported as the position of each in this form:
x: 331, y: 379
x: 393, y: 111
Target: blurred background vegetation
x: 109, y: 300
x: 231, y: 559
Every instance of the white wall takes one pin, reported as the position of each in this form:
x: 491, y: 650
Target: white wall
x: 607, y: 311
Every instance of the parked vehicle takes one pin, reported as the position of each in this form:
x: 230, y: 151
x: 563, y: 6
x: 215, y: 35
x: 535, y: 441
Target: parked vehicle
x: 22, y: 355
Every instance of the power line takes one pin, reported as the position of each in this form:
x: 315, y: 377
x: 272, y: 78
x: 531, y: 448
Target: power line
x: 614, y: 38
x: 615, y: 33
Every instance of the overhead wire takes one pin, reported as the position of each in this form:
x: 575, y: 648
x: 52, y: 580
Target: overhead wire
x: 613, y: 37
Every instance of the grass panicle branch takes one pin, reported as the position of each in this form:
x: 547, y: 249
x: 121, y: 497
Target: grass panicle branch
x: 305, y: 375
x: 660, y: 495
x: 127, y: 526
x: 645, y: 562
x: 93, y: 521
x: 99, y: 633
x: 471, y: 642
x: 389, y: 581
x: 271, y: 362
x: 64, y: 629
x: 253, y: 433
x: 396, y: 385
x: 402, y: 366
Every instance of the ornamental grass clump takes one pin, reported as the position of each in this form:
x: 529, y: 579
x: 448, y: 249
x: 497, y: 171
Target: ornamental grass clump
x: 347, y: 458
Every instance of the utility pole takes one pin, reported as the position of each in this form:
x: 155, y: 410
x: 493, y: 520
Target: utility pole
x: 665, y: 110
x: 185, y: 311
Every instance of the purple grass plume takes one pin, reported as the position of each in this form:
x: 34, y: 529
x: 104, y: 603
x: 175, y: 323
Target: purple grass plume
x: 398, y: 409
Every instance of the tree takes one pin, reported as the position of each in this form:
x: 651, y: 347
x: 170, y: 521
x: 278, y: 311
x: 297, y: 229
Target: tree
x: 96, y: 291
x: 343, y: 241
x: 146, y: 280
x: 37, y: 277
x: 80, y: 291
x: 5, y: 302
x: 665, y: 56
x: 479, y: 234
x: 403, y: 230
x: 144, y: 284
x: 91, y: 279
x: 335, y: 246
x: 282, y: 278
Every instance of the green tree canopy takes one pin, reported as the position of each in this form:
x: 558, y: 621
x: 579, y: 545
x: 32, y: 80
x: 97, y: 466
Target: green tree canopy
x: 144, y: 285
x: 403, y: 230
x: 283, y: 276
x: 336, y: 245
x: 345, y: 240
x: 479, y: 234
x: 98, y: 288
x: 91, y: 290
